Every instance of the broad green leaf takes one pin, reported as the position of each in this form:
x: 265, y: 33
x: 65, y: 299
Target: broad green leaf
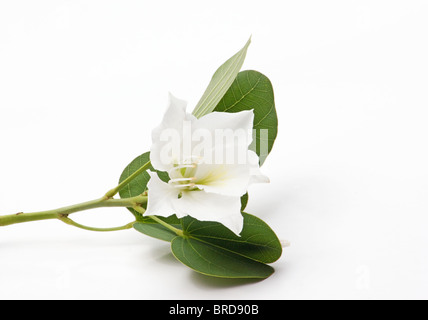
x: 253, y: 90
x: 244, y: 201
x: 139, y: 184
x: 156, y: 230
x: 212, y: 249
x: 220, y: 82
x: 257, y: 241
x: 215, y: 261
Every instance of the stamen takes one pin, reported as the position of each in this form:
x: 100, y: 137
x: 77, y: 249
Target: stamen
x: 194, y: 159
x: 182, y: 166
x: 181, y: 179
x: 184, y: 185
x: 183, y: 182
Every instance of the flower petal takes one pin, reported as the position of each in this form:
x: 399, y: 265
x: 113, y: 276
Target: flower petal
x: 227, y: 179
x: 225, y: 121
x: 164, y: 201
x: 212, y: 207
x: 161, y: 197
x: 173, y: 117
x: 256, y: 176
x: 167, y: 137
x: 230, y: 179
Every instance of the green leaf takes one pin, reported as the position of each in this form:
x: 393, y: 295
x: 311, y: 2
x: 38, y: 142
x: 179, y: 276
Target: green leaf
x: 156, y: 230
x: 217, y: 262
x: 257, y: 241
x: 220, y: 83
x: 244, y: 201
x: 212, y: 249
x: 253, y: 90
x: 139, y: 184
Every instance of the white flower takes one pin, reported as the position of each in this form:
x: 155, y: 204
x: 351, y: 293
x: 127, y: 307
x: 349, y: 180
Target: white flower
x: 209, y: 165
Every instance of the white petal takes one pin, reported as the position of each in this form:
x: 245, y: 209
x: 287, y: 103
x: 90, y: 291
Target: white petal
x: 167, y: 137
x: 228, y: 179
x: 212, y: 207
x: 226, y: 131
x: 215, y: 132
x: 173, y: 117
x: 256, y: 176
x: 224, y: 120
x: 164, y: 201
x: 161, y: 197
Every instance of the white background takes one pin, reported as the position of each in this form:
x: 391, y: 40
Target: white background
x: 82, y: 83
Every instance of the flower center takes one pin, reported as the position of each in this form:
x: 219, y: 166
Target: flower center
x: 182, y: 176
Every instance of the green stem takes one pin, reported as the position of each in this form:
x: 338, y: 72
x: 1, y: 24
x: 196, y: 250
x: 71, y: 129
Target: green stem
x: 114, y: 191
x: 81, y: 226
x: 178, y: 232
x: 63, y: 213
x: 106, y: 201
